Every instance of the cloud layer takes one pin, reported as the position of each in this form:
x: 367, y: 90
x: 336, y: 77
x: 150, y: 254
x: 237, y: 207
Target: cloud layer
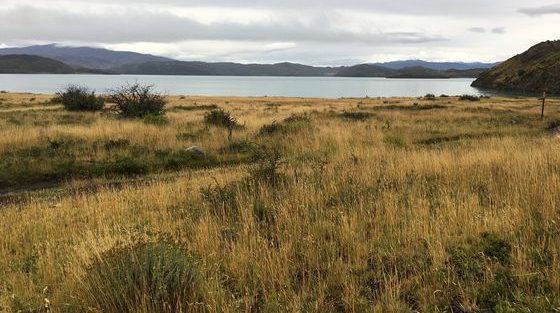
x: 312, y: 31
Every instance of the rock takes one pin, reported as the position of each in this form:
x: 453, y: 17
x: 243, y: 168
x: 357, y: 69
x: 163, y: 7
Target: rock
x: 195, y: 150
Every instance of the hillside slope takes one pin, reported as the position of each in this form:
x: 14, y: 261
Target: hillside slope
x: 85, y: 57
x: 532, y: 71
x: 32, y: 64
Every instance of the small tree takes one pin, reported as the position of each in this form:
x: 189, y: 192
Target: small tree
x: 137, y: 100
x: 223, y: 119
x: 79, y: 98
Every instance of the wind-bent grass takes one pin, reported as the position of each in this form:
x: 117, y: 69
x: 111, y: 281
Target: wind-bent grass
x: 453, y: 209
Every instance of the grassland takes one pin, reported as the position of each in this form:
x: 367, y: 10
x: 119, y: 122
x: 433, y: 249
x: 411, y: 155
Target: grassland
x: 348, y: 205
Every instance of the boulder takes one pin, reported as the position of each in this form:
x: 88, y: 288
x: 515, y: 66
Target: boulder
x: 195, y: 150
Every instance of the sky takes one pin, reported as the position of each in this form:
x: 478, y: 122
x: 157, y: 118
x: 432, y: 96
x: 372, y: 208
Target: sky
x: 316, y: 32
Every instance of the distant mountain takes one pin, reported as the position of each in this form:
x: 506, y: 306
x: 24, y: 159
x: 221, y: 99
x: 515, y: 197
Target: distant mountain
x: 32, y: 64
x: 532, y: 71
x: 365, y: 70
x: 104, y: 61
x: 224, y: 69
x: 440, y: 66
x: 85, y: 57
x: 370, y: 70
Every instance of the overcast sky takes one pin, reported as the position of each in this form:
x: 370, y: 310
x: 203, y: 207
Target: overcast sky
x: 318, y: 32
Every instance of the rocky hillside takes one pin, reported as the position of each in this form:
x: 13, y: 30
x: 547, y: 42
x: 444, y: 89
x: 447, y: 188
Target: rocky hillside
x: 532, y: 71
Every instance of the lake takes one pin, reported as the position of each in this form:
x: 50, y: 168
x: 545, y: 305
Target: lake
x: 321, y: 87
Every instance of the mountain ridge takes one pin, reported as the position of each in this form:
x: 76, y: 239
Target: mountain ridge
x: 105, y: 61
x: 534, y: 70
x: 84, y: 57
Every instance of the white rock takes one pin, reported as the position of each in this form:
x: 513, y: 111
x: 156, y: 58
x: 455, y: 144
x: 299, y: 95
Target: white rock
x: 195, y: 150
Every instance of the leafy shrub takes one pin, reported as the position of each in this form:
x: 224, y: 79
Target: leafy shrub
x: 469, y: 98
x: 221, y: 118
x: 267, y: 160
x: 137, y: 101
x: 79, y: 98
x: 149, y: 277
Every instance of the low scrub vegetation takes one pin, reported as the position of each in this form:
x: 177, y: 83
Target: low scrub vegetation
x: 137, y: 100
x: 79, y: 98
x: 146, y: 277
x: 469, y: 98
x: 314, y: 206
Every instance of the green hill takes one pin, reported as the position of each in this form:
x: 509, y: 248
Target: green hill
x: 32, y: 64
x: 532, y: 71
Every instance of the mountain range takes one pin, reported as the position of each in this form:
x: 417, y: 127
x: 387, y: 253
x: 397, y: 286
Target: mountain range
x: 99, y: 60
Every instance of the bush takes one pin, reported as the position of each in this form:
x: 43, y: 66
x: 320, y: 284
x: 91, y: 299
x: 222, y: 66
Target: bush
x: 137, y: 101
x: 469, y: 98
x: 78, y: 98
x: 430, y: 96
x: 221, y: 118
x: 149, y: 277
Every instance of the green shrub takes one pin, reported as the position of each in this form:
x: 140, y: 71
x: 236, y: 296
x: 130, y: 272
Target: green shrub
x: 78, y: 98
x: 430, y: 96
x: 469, y: 98
x: 221, y: 118
x: 267, y: 159
x: 149, y: 277
x: 137, y: 101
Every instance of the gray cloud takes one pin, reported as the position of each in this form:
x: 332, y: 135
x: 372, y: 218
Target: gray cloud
x: 481, y: 30
x: 308, y: 31
x: 119, y: 27
x: 477, y: 29
x: 542, y: 10
x: 499, y: 30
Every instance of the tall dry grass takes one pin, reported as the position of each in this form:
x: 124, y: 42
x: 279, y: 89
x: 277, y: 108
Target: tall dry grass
x: 453, y: 209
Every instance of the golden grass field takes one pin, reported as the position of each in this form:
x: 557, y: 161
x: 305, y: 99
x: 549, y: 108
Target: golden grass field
x: 442, y: 206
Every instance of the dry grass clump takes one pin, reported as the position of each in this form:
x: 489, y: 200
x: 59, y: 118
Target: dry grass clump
x: 146, y: 277
x: 448, y: 209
